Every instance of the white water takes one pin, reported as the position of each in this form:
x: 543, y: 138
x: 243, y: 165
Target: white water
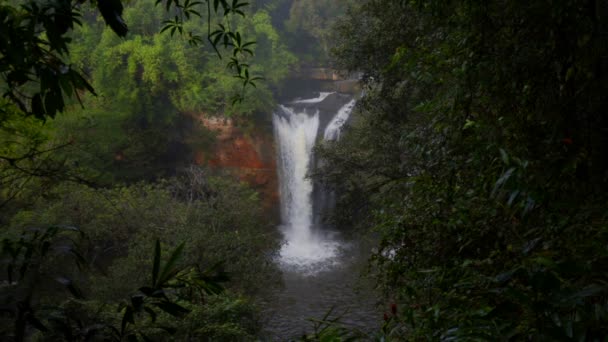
x: 322, y: 96
x: 320, y: 271
x: 304, y: 248
x: 334, y: 128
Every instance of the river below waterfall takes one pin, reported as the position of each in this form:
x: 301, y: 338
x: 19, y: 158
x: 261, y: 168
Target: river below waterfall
x: 321, y: 268
x: 289, y: 313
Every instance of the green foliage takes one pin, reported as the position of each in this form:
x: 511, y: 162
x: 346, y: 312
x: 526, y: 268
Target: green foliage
x: 182, y: 293
x: 36, y: 42
x: 156, y: 64
x: 329, y: 329
x: 170, y: 286
x: 35, y: 78
x: 221, y: 221
x: 225, y: 318
x: 146, y: 83
x: 141, y: 124
x: 309, y: 27
x: 23, y: 258
x: 478, y: 142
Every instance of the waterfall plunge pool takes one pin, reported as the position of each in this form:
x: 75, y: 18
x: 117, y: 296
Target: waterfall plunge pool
x: 321, y: 269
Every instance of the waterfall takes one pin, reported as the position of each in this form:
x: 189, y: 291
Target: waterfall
x: 320, y: 98
x: 295, y: 134
x: 334, y: 128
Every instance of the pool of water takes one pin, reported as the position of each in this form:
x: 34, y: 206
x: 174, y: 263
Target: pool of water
x: 339, y: 287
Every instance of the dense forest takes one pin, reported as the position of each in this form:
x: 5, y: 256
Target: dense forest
x: 475, y: 162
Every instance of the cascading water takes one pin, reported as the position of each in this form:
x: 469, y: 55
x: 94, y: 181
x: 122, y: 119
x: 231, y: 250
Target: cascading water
x: 333, y: 130
x: 313, y: 284
x: 322, y: 96
x: 304, y: 248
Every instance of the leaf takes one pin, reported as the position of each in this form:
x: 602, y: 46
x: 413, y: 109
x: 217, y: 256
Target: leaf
x: 165, y: 28
x: 154, y: 293
x: 512, y: 197
x: 216, y: 40
x: 242, y: 4
x: 170, y: 330
x: 530, y: 203
x: 137, y: 301
x: 168, y: 269
x: 468, y: 124
x: 504, y: 156
x: 592, y: 290
x: 127, y: 318
x: 151, y: 313
x: 37, y: 107
x: 502, y: 180
x: 146, y: 290
x: 81, y: 83
x: 111, y: 11
x: 81, y: 262
x: 145, y: 338
x: 35, y: 322
x: 195, y: 13
x: 156, y: 263
x: 236, y: 99
x: 530, y: 245
x: 432, y: 270
x: 50, y: 105
x: 172, y: 308
x: 506, y: 276
x: 69, y: 284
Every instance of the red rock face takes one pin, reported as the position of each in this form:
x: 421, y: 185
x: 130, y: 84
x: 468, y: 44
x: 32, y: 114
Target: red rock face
x: 250, y: 156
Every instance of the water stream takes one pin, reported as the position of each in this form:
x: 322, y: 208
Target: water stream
x: 320, y: 266
x: 334, y: 128
x: 305, y: 249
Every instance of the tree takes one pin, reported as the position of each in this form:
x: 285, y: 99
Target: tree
x: 23, y: 290
x: 66, y: 280
x: 35, y: 44
x: 44, y: 59
x: 309, y: 26
x: 38, y: 79
x: 479, y: 139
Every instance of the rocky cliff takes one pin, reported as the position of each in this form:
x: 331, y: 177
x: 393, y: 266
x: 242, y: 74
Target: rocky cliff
x: 248, y: 150
x: 247, y: 153
x: 310, y: 80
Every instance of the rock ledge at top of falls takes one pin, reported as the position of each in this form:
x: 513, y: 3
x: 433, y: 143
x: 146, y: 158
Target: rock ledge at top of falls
x: 327, y: 108
x: 320, y: 74
x: 324, y: 79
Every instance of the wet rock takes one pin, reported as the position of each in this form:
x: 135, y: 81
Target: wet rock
x: 249, y: 155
